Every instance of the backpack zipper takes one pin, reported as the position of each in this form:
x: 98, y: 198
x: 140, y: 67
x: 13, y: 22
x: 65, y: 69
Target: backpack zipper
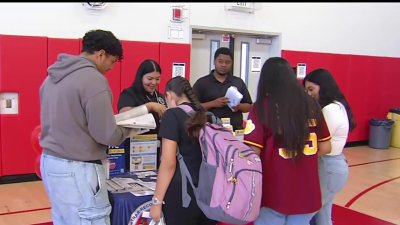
x: 231, y: 160
x: 252, y: 196
x: 241, y: 155
x: 233, y: 180
x: 216, y: 150
x: 226, y: 158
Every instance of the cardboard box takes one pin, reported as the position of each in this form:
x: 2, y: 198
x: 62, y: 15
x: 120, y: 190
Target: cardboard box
x: 226, y: 121
x: 116, y: 160
x: 239, y: 134
x: 143, y: 153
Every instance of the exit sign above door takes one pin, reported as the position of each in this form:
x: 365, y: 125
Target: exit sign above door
x: 247, y: 7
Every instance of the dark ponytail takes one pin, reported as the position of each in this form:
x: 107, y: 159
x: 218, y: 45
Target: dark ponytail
x: 329, y: 92
x: 180, y: 86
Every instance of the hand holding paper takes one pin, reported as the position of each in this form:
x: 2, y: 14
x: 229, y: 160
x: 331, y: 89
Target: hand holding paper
x: 144, y: 121
x: 134, y: 112
x: 138, y: 118
x: 234, y: 97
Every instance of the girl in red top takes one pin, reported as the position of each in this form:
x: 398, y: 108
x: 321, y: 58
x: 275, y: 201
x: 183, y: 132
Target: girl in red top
x: 287, y: 128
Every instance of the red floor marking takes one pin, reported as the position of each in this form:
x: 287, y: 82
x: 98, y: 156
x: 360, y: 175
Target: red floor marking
x: 23, y: 211
x: 360, y: 164
x: 367, y: 190
x: 345, y: 216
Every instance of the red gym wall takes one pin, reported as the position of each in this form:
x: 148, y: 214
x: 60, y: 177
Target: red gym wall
x: 23, y: 67
x: 135, y: 52
x: 181, y: 54
x: 369, y: 83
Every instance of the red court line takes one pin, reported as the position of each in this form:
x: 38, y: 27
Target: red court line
x: 367, y: 190
x: 360, y: 164
x: 346, y: 216
x: 24, y: 211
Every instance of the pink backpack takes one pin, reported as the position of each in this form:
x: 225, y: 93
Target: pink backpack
x: 230, y: 180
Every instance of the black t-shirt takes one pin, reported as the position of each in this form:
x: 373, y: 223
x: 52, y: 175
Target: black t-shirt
x: 130, y: 98
x: 208, y: 88
x: 173, y: 128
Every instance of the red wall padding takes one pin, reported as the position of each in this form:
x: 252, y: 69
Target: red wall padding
x: 1, y: 136
x: 369, y: 83
x: 135, y: 52
x: 173, y: 53
x: 1, y: 163
x: 61, y: 45
x: 114, y: 79
x: 23, y: 65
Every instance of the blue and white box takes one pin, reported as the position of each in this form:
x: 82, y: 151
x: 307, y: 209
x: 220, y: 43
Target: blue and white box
x: 116, y: 160
x: 143, y: 153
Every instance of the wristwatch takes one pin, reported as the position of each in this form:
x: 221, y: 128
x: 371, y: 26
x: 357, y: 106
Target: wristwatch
x: 155, y: 201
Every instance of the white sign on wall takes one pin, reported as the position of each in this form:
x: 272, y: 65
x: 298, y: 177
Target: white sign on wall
x: 175, y: 32
x: 225, y: 38
x: 178, y: 69
x: 255, y: 64
x: 301, y: 70
x: 247, y: 7
x: 9, y: 103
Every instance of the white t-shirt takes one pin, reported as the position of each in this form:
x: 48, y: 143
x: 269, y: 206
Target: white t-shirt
x: 338, y: 124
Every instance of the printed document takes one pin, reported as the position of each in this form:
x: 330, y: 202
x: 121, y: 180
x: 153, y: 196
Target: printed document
x: 234, y: 97
x: 137, y: 117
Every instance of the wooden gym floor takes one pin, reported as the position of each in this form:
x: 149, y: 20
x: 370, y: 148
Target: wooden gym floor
x: 370, y: 197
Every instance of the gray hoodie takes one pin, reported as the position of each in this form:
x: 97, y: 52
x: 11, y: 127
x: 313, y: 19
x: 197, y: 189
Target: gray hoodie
x: 77, y: 120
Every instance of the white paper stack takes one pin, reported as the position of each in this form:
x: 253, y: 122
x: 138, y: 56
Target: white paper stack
x: 234, y: 96
x: 144, y: 121
x: 138, y: 118
x: 135, y: 186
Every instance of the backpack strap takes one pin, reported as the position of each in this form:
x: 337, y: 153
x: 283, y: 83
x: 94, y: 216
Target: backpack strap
x: 185, y: 178
x: 189, y: 111
x: 185, y: 174
x: 186, y: 108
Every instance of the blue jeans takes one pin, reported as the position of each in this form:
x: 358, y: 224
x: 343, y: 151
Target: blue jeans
x: 333, y: 174
x: 77, y: 191
x: 269, y: 216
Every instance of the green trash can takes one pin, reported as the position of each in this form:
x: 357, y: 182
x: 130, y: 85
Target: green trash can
x: 394, y: 114
x: 380, y: 133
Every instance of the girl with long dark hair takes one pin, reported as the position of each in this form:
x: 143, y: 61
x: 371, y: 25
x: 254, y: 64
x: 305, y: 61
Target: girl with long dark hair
x: 333, y: 167
x: 287, y: 128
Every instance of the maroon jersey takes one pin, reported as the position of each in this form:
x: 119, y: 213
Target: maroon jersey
x: 290, y: 186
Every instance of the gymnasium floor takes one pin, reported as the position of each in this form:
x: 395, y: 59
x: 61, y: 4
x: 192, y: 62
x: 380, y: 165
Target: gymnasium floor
x: 370, y: 197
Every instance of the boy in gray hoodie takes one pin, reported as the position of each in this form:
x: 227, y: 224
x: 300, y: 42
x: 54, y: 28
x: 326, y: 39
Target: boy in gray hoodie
x: 77, y: 125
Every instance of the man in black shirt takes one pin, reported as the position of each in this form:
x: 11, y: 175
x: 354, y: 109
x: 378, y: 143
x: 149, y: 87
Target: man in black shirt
x: 211, y: 90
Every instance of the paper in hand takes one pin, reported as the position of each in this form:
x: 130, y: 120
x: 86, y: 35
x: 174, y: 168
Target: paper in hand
x: 234, y: 97
x: 143, y: 121
x: 132, y: 113
x: 137, y: 117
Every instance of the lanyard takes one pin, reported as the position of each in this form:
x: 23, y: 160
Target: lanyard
x: 159, y: 99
